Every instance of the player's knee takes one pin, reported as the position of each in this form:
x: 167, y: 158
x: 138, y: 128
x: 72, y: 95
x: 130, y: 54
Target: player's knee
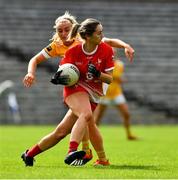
x: 87, y: 116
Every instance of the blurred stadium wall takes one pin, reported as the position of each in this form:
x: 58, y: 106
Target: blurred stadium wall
x: 149, y: 26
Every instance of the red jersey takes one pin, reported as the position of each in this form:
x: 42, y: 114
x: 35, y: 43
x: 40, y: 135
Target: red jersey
x: 101, y: 57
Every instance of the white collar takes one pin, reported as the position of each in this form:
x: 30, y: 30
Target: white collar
x: 87, y: 53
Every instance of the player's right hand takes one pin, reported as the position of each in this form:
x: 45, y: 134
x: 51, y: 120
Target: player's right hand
x: 60, y: 79
x: 29, y: 80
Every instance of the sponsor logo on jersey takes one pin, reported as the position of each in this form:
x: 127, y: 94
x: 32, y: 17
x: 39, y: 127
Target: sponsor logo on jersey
x: 89, y: 57
x: 78, y: 62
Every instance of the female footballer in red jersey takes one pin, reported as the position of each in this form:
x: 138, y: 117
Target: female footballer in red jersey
x: 94, y: 60
x: 58, y: 47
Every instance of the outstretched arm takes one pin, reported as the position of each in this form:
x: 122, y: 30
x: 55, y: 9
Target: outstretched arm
x: 129, y: 51
x: 29, y: 78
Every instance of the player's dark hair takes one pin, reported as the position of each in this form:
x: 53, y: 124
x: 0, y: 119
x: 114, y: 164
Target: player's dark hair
x: 86, y: 28
x: 74, y: 31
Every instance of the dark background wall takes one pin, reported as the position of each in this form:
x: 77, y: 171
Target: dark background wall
x: 149, y: 26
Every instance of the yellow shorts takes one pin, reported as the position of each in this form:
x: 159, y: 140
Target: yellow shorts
x: 115, y: 101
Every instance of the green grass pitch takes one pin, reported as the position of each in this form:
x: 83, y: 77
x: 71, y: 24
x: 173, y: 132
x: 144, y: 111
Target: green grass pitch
x: 155, y: 155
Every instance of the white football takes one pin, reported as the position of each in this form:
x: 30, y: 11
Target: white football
x: 72, y: 71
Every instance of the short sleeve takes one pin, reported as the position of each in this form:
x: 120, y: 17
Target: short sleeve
x: 109, y: 59
x: 50, y: 51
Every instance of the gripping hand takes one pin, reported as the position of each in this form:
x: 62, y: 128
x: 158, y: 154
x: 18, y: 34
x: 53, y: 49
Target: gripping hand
x: 92, y: 69
x: 60, y: 79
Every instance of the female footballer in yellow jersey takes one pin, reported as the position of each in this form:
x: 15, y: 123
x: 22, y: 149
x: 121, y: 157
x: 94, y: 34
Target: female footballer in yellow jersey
x: 114, y: 96
x: 60, y: 44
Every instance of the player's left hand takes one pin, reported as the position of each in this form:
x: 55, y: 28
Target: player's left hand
x: 129, y: 52
x: 60, y: 79
x: 92, y: 69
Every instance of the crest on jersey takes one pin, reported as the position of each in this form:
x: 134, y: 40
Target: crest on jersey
x: 49, y: 48
x: 99, y: 61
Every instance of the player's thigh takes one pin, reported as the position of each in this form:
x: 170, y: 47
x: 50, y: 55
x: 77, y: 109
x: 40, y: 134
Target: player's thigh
x: 79, y: 103
x: 100, y: 109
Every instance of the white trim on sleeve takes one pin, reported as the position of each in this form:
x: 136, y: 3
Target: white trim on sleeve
x: 45, y: 54
x: 109, y: 69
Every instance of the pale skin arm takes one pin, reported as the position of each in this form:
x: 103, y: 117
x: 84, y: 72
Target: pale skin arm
x: 120, y: 80
x: 30, y: 77
x: 117, y: 43
x: 106, y: 77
